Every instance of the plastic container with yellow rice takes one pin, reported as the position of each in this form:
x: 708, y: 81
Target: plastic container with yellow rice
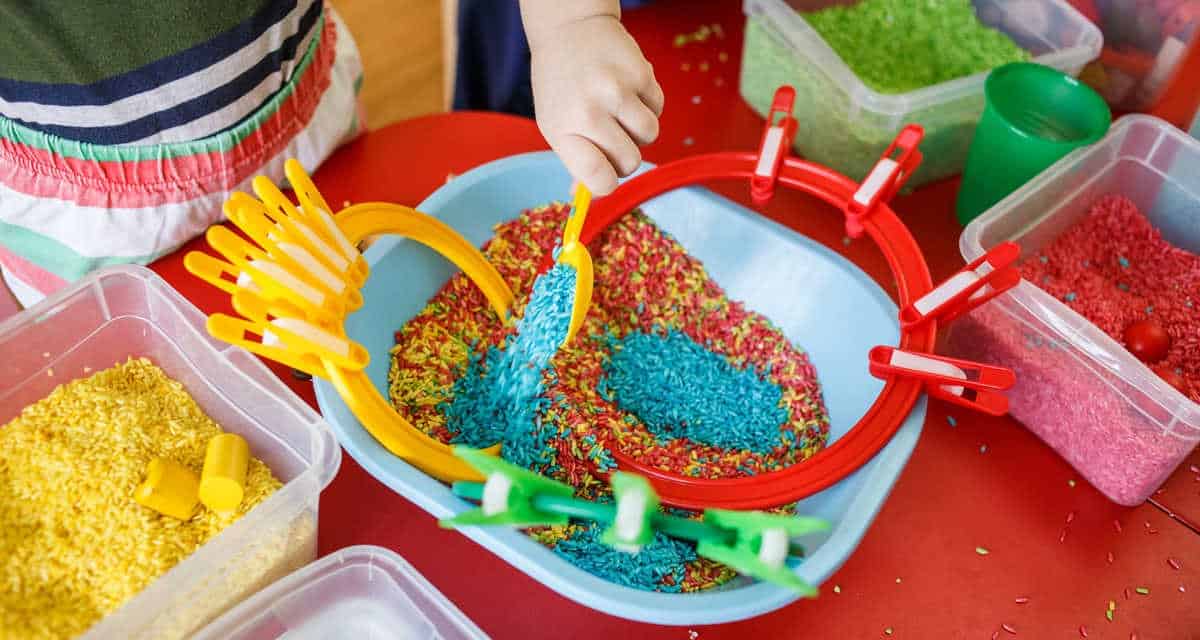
x: 95, y: 382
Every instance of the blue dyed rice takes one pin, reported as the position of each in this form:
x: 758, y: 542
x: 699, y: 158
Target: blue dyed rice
x: 648, y: 569
x: 500, y: 395
x: 679, y: 389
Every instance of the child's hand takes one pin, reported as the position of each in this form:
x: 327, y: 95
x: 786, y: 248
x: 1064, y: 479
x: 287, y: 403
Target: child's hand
x: 595, y: 95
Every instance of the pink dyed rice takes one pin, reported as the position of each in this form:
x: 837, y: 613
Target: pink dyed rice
x: 1113, y: 267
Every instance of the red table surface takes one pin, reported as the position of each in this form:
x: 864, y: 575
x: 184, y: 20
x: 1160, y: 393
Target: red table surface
x: 917, y: 573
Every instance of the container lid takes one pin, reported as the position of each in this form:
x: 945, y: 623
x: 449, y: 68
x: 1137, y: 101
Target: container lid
x: 357, y: 593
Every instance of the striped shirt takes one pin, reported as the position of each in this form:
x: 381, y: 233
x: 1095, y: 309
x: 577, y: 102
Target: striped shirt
x: 125, y: 125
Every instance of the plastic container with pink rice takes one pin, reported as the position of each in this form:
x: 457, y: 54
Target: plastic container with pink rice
x: 1123, y: 425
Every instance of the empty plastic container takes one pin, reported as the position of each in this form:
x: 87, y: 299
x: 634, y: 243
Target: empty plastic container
x: 1120, y: 425
x: 356, y: 593
x: 130, y: 311
x: 846, y: 125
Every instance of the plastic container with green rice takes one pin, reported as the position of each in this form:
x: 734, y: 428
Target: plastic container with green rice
x: 930, y: 70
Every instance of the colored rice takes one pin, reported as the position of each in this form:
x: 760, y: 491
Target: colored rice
x: 659, y: 378
x: 1113, y: 267
x: 893, y: 46
x: 897, y: 46
x: 648, y: 293
x: 74, y: 546
x: 499, y: 398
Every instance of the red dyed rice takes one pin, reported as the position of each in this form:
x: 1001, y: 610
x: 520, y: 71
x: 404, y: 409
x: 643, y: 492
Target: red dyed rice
x: 1113, y: 267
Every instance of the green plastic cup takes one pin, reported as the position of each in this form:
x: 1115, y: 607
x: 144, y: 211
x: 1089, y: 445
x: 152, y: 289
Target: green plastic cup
x: 1034, y: 115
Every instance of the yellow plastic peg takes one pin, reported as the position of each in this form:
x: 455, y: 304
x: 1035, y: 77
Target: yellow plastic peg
x: 169, y: 488
x: 223, y: 478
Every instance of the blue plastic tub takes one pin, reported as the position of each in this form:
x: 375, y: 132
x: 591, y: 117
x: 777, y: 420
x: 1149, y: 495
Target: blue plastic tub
x: 822, y: 302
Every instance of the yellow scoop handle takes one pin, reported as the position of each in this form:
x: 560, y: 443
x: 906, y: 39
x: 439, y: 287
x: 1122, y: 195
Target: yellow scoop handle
x: 575, y: 254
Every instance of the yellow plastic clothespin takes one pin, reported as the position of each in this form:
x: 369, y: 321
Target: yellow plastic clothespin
x: 273, y: 279
x: 283, y: 247
x: 299, y: 275
x: 314, y: 208
x: 301, y: 230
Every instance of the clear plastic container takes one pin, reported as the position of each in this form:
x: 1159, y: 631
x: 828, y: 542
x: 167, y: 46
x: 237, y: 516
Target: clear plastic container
x: 1145, y: 46
x: 845, y: 125
x: 1119, y: 424
x: 130, y: 311
x: 357, y: 593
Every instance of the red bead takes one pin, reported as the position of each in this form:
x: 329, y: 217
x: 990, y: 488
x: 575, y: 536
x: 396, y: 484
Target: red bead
x: 1172, y: 378
x: 1147, y: 340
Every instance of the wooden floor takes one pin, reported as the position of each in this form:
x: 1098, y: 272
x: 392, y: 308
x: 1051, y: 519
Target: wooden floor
x: 401, y: 46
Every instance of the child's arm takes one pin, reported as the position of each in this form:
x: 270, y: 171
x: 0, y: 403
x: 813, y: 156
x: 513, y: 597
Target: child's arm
x: 595, y: 95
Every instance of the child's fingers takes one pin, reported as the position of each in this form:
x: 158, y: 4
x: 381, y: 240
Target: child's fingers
x: 638, y: 120
x: 586, y: 163
x: 652, y: 96
x: 620, y: 149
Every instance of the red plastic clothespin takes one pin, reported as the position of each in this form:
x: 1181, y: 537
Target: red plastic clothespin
x: 962, y: 382
x: 777, y: 139
x: 989, y: 276
x: 894, y: 168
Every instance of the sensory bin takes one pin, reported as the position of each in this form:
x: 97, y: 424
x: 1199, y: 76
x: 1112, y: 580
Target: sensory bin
x: 405, y: 275
x: 1114, y: 269
x: 856, y: 88
x: 1111, y: 238
x: 69, y: 465
x: 122, y: 347
x: 664, y: 368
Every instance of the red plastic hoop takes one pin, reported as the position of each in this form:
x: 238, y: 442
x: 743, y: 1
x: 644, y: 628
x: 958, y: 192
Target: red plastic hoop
x: 881, y: 421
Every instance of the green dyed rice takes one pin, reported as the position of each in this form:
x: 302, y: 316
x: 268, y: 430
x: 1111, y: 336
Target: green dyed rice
x: 897, y: 46
x: 839, y: 131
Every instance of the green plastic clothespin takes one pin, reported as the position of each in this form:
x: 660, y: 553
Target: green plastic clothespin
x: 632, y: 527
x: 508, y: 495
x: 761, y: 544
x: 755, y: 544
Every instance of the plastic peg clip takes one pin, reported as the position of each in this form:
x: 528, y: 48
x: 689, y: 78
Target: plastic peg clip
x: 169, y: 488
x: 270, y: 277
x: 281, y: 328
x: 961, y: 382
x: 293, y: 255
x: 776, y: 140
x: 989, y: 276
x: 312, y: 205
x: 632, y: 526
x: 223, y: 476
x: 508, y: 494
x: 761, y: 544
x: 894, y: 168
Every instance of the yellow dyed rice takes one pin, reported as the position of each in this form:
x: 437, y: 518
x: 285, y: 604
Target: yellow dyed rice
x: 74, y: 546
